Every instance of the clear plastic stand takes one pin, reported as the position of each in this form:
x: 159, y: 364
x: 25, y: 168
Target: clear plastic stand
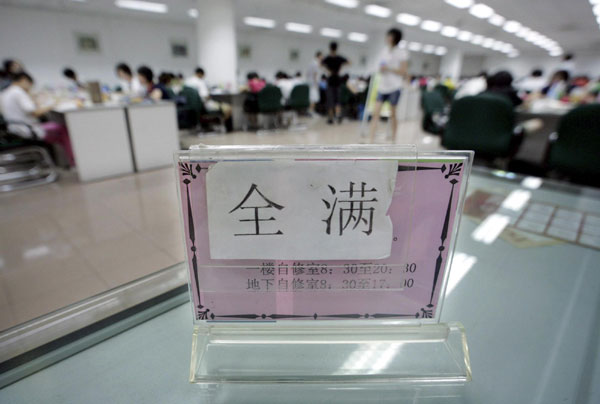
x: 365, y: 318
x: 330, y: 354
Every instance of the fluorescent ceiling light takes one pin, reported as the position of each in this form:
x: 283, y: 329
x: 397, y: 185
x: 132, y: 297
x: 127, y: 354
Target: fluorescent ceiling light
x: 596, y: 9
x: 523, y: 32
x: 441, y: 50
x: 556, y: 52
x: 496, y: 20
x: 513, y: 54
x: 142, y: 6
x: 297, y: 27
x: 259, y: 22
x: 477, y: 39
x: 464, y: 36
x: 512, y: 26
x: 532, y: 36
x: 358, y: 37
x: 506, y: 48
x: 428, y: 48
x: 408, y: 19
x: 331, y: 32
x: 460, y: 3
x: 488, y: 42
x: 449, y: 31
x: 415, y: 46
x: 192, y: 12
x: 378, y: 11
x: 343, y: 3
x: 431, y: 26
x: 498, y: 46
x: 480, y: 10
x: 592, y: 2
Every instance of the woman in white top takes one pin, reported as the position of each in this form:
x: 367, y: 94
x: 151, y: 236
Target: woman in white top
x: 393, y: 66
x: 22, y: 114
x: 130, y: 85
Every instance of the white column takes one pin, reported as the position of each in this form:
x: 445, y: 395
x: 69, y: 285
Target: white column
x: 451, y: 64
x: 217, y: 46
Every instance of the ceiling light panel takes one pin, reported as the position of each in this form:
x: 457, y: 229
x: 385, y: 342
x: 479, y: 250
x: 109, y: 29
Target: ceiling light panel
x: 408, y: 19
x: 259, y: 22
x: 343, y: 3
x: 496, y: 20
x: 297, y: 27
x: 481, y: 10
x: 449, y: 31
x: 378, y: 11
x: 460, y: 3
x: 431, y: 26
x: 138, y: 5
x: 331, y: 32
x: 358, y: 37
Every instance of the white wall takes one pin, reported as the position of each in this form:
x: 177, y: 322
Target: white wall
x: 44, y: 41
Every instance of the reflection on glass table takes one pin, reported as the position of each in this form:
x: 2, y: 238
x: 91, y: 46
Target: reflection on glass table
x: 524, y: 283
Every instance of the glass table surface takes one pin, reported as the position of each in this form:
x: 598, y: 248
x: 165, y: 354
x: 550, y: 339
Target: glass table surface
x: 529, y: 303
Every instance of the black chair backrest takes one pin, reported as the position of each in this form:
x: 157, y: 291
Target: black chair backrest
x: 483, y: 123
x: 577, y: 149
x: 269, y: 99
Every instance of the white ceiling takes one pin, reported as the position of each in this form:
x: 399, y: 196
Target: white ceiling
x: 569, y: 22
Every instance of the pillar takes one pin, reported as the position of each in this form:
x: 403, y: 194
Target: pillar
x: 451, y: 64
x: 217, y: 46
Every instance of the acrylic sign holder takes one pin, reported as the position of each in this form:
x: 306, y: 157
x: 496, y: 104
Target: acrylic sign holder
x: 322, y: 264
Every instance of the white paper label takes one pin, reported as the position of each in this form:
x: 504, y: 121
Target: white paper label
x: 300, y: 210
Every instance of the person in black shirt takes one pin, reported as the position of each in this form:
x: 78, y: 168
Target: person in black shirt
x: 333, y: 63
x: 501, y: 84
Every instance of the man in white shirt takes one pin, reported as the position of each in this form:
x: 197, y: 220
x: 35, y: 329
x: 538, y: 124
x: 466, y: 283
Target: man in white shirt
x: 473, y: 86
x: 534, y: 83
x: 22, y: 113
x: 393, y: 66
x: 130, y: 85
x: 198, y: 83
x: 20, y: 110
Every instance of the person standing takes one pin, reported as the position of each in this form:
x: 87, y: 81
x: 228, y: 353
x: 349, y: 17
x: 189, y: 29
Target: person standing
x: 333, y: 63
x: 393, y: 67
x: 312, y: 77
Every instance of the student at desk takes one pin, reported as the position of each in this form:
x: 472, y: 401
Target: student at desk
x: 22, y: 113
x: 198, y: 83
x: 153, y: 91
x: 72, y: 79
x: 129, y: 84
x: 11, y: 68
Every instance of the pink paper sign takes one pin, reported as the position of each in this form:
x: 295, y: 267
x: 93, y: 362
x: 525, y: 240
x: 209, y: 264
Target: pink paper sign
x: 407, y: 284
